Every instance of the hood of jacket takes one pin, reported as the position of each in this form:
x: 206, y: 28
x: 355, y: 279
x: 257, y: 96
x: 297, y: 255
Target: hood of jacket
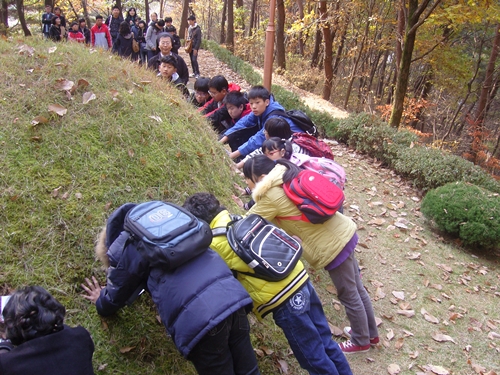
x: 129, y: 36
x: 274, y: 178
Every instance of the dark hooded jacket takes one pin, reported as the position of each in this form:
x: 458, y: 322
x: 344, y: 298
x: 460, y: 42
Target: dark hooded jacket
x: 191, y: 300
x: 123, y: 45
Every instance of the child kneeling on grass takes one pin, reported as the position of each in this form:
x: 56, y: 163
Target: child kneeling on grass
x: 293, y: 301
x: 168, y: 70
x: 201, y: 304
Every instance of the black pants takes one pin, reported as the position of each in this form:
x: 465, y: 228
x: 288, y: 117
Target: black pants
x: 226, y: 349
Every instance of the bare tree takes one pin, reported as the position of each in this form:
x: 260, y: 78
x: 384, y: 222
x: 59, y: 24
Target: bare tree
x: 230, y: 25
x: 280, y: 35
x: 22, y: 20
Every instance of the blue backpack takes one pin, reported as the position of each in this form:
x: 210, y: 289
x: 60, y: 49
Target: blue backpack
x: 165, y: 234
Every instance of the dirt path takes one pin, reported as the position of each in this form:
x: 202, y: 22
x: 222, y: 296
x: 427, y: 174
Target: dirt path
x: 400, y: 255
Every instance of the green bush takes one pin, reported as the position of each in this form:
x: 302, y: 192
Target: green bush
x: 430, y: 168
x: 466, y: 211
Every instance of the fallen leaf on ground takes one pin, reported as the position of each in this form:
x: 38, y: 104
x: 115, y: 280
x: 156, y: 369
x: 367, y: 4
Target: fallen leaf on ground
x: 56, y: 108
x: 157, y: 118
x: 399, y: 343
x: 390, y: 334
x: 39, y: 120
x: 439, y: 337
x: 52, y: 49
x: 414, y: 355
x: 439, y: 370
x: 88, y: 96
x: 429, y: 317
x: 399, y: 295
x: 126, y: 349
x: 407, y: 313
x: 64, y: 84
x: 283, y: 366
x: 393, y: 369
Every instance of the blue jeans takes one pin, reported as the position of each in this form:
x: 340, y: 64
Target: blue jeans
x: 305, y: 326
x: 226, y: 349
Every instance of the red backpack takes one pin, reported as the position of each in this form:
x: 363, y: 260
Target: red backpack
x: 314, y: 146
x: 315, y: 196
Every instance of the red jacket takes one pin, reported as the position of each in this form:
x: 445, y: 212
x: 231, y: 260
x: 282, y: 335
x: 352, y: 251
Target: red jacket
x: 218, y: 115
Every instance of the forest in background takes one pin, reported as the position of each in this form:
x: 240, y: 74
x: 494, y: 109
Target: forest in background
x: 428, y: 65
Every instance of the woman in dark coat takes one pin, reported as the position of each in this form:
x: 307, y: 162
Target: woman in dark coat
x: 56, y: 30
x: 123, y: 43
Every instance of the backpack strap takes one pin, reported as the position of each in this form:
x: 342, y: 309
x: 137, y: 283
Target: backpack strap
x: 219, y: 231
x: 295, y: 218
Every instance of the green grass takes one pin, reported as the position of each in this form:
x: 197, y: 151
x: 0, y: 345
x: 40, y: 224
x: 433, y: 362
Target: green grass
x: 97, y: 156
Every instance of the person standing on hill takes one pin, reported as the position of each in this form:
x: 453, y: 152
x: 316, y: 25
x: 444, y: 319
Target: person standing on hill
x: 56, y: 31
x: 47, y: 21
x: 82, y: 26
x: 194, y: 34
x: 74, y: 34
x: 113, y: 22
x: 152, y: 38
x: 99, y: 34
x: 123, y: 44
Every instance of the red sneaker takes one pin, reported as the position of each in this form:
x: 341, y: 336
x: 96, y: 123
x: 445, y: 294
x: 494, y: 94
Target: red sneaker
x: 349, y: 348
x: 373, y: 341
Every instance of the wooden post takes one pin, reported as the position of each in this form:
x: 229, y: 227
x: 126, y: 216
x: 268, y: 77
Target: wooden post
x: 269, y: 49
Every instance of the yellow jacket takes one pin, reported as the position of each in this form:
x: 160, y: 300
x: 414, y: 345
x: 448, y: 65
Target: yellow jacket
x: 266, y: 295
x: 321, y: 243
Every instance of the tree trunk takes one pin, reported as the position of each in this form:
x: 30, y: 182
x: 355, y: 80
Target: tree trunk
x: 380, y: 84
x: 252, y: 17
x: 22, y: 20
x: 413, y: 23
x: 480, y: 114
x: 280, y: 35
x: 356, y: 63
x: 4, y: 18
x: 86, y: 13
x: 338, y: 54
x: 327, y: 37
x: 146, y: 9
x: 222, y: 39
x: 230, y: 25
x: 300, y: 5
x: 317, y: 45
x: 118, y: 3
x: 184, y: 17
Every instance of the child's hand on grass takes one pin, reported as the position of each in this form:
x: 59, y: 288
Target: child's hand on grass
x: 93, y: 289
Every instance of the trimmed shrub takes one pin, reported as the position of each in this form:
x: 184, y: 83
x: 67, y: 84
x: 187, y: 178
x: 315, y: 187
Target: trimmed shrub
x: 430, y: 168
x: 466, y: 211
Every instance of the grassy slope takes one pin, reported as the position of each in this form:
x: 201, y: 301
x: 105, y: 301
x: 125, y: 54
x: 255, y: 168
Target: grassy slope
x: 110, y: 152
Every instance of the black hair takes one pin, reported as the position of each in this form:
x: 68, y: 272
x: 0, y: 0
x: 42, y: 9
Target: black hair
x: 143, y: 22
x: 30, y: 313
x: 124, y: 28
x: 261, y: 164
x: 116, y: 7
x: 204, y: 206
x: 160, y: 23
x: 55, y: 18
x: 278, y: 127
x: 129, y: 9
x: 164, y: 35
x: 259, y: 92
x: 73, y: 24
x: 99, y: 17
x: 81, y: 20
x: 170, y: 59
x: 192, y: 18
x: 219, y: 83
x: 201, y: 84
x: 275, y: 143
x: 236, y: 98
x: 57, y: 8
x: 168, y: 19
x: 170, y: 28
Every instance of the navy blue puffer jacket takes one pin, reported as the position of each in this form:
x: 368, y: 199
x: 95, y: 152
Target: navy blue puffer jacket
x: 191, y: 300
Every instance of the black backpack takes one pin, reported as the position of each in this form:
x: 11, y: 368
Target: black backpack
x: 265, y: 248
x: 300, y: 119
x: 165, y: 234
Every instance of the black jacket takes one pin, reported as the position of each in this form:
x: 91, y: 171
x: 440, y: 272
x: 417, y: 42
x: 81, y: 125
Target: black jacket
x: 182, y: 69
x: 67, y: 352
x: 123, y: 45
